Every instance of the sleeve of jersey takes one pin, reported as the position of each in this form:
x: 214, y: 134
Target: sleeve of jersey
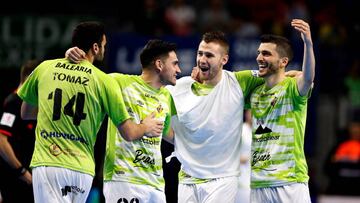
x: 248, y: 81
x: 114, y: 102
x: 29, y: 89
x: 298, y: 99
x: 167, y: 123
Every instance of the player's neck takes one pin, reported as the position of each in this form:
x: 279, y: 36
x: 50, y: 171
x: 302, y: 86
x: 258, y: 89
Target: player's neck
x: 151, y: 78
x: 90, y: 58
x: 274, y: 79
x: 215, y: 80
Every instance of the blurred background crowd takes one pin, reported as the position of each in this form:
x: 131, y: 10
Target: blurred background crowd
x: 42, y: 30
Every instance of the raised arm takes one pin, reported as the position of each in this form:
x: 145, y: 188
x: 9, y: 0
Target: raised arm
x: 305, y: 80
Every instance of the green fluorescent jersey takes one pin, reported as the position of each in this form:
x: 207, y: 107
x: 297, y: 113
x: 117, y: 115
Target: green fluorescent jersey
x: 72, y: 100
x: 279, y: 117
x: 138, y: 161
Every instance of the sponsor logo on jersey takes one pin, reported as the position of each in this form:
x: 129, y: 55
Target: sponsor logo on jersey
x: 62, y: 135
x: 261, y: 160
x: 266, y: 138
x: 257, y: 157
x: 150, y: 141
x: 57, y: 150
x: 151, y: 96
x: 142, y: 159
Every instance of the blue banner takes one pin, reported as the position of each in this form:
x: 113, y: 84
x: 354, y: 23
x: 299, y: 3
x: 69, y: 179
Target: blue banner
x: 123, y: 52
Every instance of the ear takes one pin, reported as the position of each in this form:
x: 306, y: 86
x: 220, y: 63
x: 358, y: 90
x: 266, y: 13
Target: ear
x: 284, y: 61
x: 225, y: 59
x: 158, y: 65
x: 95, y: 48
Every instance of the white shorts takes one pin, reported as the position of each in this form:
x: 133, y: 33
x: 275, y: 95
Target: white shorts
x: 116, y: 191
x: 243, y: 194
x: 214, y: 191
x: 294, y: 193
x: 60, y: 185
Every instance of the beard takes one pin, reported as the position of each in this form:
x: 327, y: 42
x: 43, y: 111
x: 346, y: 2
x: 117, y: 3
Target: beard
x: 165, y: 81
x: 270, y: 69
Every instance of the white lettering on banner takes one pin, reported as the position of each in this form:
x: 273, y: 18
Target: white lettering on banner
x: 132, y: 65
x: 22, y: 38
x: 246, y: 48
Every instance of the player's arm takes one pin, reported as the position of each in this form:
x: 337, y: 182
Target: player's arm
x: 305, y: 80
x: 195, y: 74
x: 170, y: 136
x: 293, y: 73
x: 7, y: 153
x: 28, y: 111
x: 149, y: 126
x: 75, y: 55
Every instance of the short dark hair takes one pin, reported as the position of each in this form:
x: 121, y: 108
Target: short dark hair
x: 27, y: 68
x: 283, y: 45
x: 155, y: 49
x: 217, y: 37
x: 87, y: 33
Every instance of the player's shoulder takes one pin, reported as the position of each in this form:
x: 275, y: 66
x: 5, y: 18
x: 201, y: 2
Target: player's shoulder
x: 184, y: 80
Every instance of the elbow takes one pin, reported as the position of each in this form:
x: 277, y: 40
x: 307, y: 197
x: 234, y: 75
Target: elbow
x: 128, y: 138
x: 127, y: 134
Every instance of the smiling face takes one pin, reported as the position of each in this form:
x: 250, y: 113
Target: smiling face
x: 169, y: 69
x: 211, y: 58
x: 269, y: 60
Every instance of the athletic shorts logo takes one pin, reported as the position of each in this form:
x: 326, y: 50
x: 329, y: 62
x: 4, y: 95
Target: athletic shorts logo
x: 71, y: 189
x: 124, y: 200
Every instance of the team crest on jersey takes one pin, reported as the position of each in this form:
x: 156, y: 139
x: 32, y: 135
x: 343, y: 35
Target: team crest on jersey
x: 55, y: 149
x: 273, y: 102
x: 159, y: 108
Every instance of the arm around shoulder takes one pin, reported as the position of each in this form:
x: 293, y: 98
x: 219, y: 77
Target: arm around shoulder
x: 150, y: 127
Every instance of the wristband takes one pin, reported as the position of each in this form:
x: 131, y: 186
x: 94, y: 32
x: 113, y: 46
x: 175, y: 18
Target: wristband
x: 20, y: 171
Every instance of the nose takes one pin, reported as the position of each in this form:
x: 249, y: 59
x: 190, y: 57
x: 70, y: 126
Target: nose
x: 178, y: 70
x: 202, y: 59
x: 259, y: 57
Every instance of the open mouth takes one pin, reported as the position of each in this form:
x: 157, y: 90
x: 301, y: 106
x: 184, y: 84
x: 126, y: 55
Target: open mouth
x: 263, y: 65
x: 204, y: 69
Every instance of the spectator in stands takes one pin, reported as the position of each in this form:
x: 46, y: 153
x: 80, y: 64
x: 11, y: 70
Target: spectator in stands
x: 343, y: 163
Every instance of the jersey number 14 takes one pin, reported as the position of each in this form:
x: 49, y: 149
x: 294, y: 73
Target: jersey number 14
x: 77, y: 100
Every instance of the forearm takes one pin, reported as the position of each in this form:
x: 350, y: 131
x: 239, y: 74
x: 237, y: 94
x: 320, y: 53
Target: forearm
x: 170, y: 136
x: 131, y: 131
x: 308, y: 68
x: 7, y: 153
